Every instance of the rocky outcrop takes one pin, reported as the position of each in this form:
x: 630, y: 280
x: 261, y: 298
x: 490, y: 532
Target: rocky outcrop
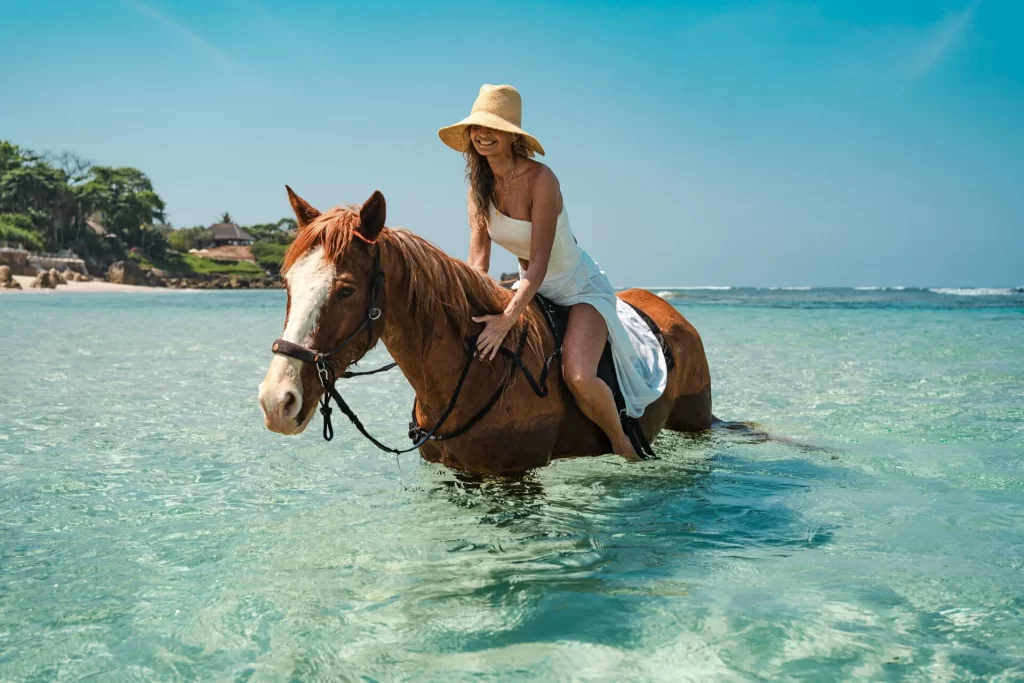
x: 42, y: 281
x: 82, y: 277
x: 18, y: 261
x: 69, y: 275
x: 224, y: 282
x: 126, y: 273
x: 153, y: 279
x: 56, y: 278
x: 7, y: 280
x: 24, y: 269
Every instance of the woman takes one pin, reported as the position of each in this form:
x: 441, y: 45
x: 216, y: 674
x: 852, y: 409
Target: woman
x: 516, y: 202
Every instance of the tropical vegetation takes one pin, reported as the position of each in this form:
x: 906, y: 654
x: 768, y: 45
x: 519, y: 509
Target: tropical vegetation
x: 57, y: 202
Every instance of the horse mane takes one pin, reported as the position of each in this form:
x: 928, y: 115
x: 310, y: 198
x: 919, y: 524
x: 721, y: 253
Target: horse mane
x: 439, y: 287
x: 333, y: 230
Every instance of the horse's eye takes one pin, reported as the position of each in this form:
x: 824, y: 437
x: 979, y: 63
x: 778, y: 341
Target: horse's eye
x: 345, y: 292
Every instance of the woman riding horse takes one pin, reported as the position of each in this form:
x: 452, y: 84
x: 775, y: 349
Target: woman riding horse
x: 515, y: 201
x: 353, y: 282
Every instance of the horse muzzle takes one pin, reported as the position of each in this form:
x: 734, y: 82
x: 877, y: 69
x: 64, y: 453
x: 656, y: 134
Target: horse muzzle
x: 280, y: 399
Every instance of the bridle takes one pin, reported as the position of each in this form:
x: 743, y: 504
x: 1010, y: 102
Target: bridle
x: 322, y: 358
x: 419, y: 435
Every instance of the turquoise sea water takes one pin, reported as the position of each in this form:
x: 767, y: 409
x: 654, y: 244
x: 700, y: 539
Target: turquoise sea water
x: 151, y: 529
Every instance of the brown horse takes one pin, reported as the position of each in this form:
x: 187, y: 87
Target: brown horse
x: 427, y: 300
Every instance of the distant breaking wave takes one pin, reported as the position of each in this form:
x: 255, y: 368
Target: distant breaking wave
x: 673, y: 289
x: 669, y: 292
x: 974, y: 291
x: 944, y: 291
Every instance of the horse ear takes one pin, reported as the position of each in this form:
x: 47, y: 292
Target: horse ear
x: 304, y: 213
x: 372, y: 216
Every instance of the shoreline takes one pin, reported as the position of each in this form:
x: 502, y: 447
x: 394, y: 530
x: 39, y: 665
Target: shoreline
x: 93, y: 286
x: 101, y: 286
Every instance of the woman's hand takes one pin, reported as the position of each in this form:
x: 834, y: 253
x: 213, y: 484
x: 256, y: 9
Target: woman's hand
x: 496, y: 328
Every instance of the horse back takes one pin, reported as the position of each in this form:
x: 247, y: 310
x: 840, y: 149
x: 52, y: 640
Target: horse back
x: 686, y: 403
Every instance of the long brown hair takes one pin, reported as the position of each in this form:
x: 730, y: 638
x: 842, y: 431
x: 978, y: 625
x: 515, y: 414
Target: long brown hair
x: 481, y: 178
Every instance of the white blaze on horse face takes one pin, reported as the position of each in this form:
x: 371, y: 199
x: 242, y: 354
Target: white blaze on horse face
x: 309, y: 285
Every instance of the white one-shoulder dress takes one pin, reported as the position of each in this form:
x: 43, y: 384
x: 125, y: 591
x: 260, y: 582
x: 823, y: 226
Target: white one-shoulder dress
x: 573, y: 277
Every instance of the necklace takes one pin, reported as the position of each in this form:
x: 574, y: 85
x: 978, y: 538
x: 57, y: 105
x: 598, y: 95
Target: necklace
x: 508, y: 182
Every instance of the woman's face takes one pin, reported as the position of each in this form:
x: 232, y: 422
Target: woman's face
x: 490, y: 142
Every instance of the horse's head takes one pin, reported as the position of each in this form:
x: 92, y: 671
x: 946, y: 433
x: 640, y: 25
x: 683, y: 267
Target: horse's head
x: 328, y: 271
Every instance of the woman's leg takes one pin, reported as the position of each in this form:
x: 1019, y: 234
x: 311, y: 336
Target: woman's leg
x: 585, y: 339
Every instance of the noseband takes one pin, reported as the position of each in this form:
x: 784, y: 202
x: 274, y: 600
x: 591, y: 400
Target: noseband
x: 419, y: 435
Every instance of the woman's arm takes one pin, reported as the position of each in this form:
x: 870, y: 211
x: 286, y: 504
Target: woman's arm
x: 547, y: 205
x: 479, y: 241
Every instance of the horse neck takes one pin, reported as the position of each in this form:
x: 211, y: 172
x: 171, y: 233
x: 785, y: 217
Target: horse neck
x: 430, y: 357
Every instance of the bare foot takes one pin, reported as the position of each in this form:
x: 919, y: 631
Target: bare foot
x: 625, y: 449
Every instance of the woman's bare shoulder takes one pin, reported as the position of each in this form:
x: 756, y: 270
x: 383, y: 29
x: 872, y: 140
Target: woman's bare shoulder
x: 544, y: 179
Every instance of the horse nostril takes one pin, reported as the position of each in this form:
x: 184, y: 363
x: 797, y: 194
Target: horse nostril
x: 290, y: 405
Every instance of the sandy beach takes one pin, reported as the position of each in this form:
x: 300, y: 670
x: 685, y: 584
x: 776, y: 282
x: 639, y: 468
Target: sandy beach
x: 93, y: 286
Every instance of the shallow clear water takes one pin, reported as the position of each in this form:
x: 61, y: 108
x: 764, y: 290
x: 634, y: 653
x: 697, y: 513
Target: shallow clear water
x: 151, y: 529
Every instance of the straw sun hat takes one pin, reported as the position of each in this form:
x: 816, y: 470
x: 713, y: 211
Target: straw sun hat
x: 497, y: 106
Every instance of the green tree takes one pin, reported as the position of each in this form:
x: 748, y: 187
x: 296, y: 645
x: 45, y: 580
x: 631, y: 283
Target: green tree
x: 18, y: 227
x: 10, y: 156
x: 184, y: 239
x: 32, y: 187
x: 51, y: 196
x: 281, y: 232
x: 269, y: 255
x: 129, y: 205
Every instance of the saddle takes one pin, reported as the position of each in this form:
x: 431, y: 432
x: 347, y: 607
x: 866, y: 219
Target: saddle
x: 558, y: 319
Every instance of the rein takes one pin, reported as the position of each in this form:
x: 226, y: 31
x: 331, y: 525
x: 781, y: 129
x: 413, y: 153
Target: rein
x: 419, y: 435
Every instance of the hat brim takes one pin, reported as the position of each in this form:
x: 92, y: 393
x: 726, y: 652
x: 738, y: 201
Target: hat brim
x: 456, y: 137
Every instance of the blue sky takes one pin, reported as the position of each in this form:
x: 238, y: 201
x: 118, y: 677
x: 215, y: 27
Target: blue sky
x: 775, y: 143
